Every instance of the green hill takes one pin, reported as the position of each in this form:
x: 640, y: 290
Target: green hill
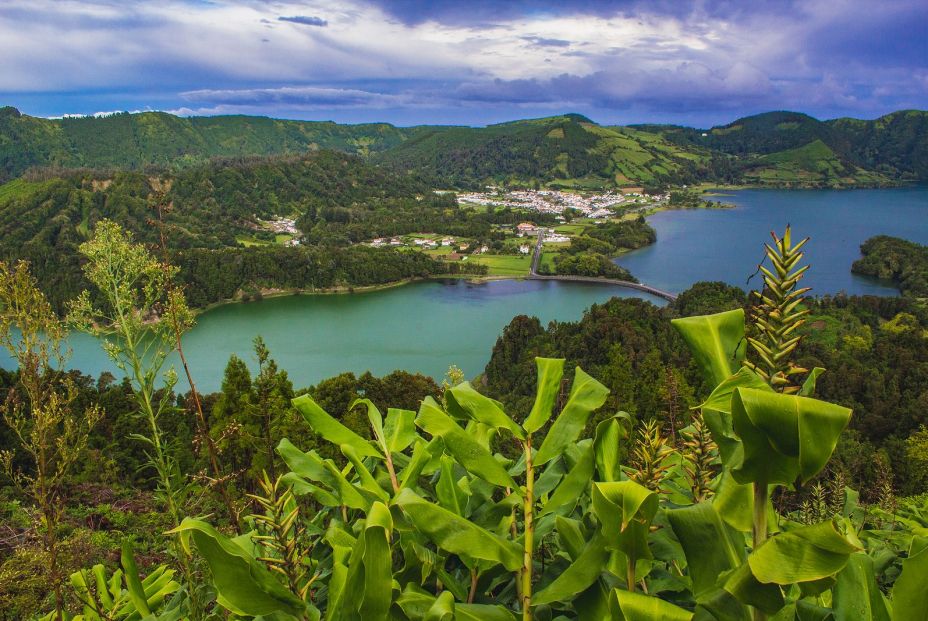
x: 560, y: 151
x: 568, y: 151
x: 136, y: 141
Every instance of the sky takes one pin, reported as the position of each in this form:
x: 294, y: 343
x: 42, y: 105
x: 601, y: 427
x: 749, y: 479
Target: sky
x: 468, y: 62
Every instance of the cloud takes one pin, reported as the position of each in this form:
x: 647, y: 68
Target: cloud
x: 307, y: 97
x: 306, y: 20
x: 543, y: 41
x: 614, y: 60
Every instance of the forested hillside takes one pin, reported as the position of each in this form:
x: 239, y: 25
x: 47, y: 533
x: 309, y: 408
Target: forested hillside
x: 158, y: 139
x: 571, y: 151
x: 208, y: 210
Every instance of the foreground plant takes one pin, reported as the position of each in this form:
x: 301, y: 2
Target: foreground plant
x: 425, y: 520
x: 134, y: 293
x: 39, y: 408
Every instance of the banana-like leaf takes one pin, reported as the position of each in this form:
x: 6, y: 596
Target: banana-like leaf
x: 462, y: 446
x: 133, y: 583
x: 457, y: 535
x: 710, y: 546
x: 449, y: 495
x: 311, y: 467
x: 720, y: 399
x: 484, y: 409
x: 399, y: 429
x: 368, y: 590
x: 625, y: 510
x: 332, y: 430
x: 808, y: 386
x: 586, y: 395
x: 805, y: 554
x: 442, y: 609
x: 734, y: 502
x: 856, y: 594
x: 748, y: 590
x: 367, y: 480
x: 550, y: 371
x: 910, y: 593
x: 578, y: 576
x: 630, y: 606
x: 416, y: 604
x: 609, y: 434
x: 784, y: 437
x: 571, y: 488
x: 716, y: 411
x: 243, y: 585
x: 716, y: 342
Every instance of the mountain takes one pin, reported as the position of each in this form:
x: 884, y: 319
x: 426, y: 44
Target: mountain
x: 136, y: 141
x: 561, y: 151
x: 569, y: 151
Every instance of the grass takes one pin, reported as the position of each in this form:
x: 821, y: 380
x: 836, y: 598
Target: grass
x: 570, y: 229
x: 248, y: 242
x: 282, y: 238
x: 504, y: 264
x: 546, y: 264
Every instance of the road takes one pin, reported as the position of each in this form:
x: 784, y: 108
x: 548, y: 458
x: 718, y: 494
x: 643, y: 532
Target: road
x: 534, y: 275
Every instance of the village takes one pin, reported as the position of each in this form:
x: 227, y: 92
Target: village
x: 510, y: 250
x: 595, y: 205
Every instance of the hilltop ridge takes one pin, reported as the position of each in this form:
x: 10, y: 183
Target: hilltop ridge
x: 778, y: 148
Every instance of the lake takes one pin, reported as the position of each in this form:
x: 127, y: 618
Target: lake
x: 425, y: 327
x: 725, y: 244
x: 422, y: 327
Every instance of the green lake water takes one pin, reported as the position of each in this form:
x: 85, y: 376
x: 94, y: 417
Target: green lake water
x: 427, y: 326
x: 422, y: 327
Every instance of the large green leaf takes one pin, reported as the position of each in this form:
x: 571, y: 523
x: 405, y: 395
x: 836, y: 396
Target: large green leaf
x: 462, y: 445
x: 856, y: 595
x: 309, y: 467
x: 805, y: 554
x: 586, y: 395
x: 133, y: 582
x: 625, y: 510
x: 571, y: 488
x: 785, y: 437
x: 609, y: 433
x: 578, y: 576
x: 637, y: 607
x: 710, y: 546
x: 910, y: 593
x: 416, y: 604
x: 243, y: 585
x: 368, y: 584
x: 399, y: 429
x: 456, y: 534
x: 332, y: 430
x: 484, y: 409
x: 442, y: 609
x: 716, y: 342
x: 550, y: 371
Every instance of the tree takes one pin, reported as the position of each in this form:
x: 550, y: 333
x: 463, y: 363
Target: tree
x: 38, y: 407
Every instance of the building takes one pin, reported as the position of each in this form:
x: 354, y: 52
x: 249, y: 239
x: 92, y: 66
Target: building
x: 526, y: 228
x: 523, y: 249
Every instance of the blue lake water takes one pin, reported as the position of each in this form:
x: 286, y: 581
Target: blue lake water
x: 725, y: 244
x: 425, y: 327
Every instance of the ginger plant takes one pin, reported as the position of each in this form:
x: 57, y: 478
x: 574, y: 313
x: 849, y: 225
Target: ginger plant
x: 778, y: 313
x: 39, y: 408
